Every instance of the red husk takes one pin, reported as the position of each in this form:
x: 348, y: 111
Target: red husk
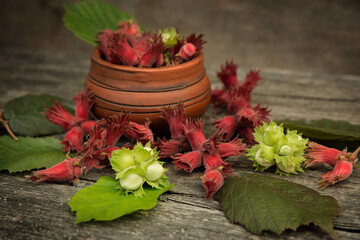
x: 175, y: 116
x: 197, y: 41
x: 116, y: 126
x: 129, y: 28
x: 228, y: 75
x: 139, y: 133
x: 341, y: 171
x: 234, y: 148
x: 195, y: 134
x: 122, y: 52
x: 318, y: 154
x: 251, y: 80
x: 86, y: 126
x: 170, y: 147
x: 73, y: 139
x: 212, y: 162
x: 102, y: 139
x: 59, y: 115
x: 212, y: 181
x: 68, y: 170
x: 89, y: 162
x: 84, y: 101
x: 188, y: 161
x: 243, y: 121
x: 227, y: 127
x: 187, y: 51
x: 232, y: 89
x: 103, y: 40
x: 152, y: 53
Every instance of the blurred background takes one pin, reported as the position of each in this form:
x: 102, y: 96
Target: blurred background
x: 308, y: 35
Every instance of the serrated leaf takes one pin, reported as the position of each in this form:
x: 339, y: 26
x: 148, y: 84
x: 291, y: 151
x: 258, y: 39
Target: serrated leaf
x: 29, y: 153
x: 85, y: 19
x: 103, y: 201
x: 263, y: 203
x: 26, y: 117
x: 329, y: 132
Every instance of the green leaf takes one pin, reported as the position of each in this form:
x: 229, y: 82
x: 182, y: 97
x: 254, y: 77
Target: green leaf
x: 325, y: 129
x: 29, y: 153
x: 103, y: 201
x: 329, y: 132
x: 85, y: 19
x: 26, y: 117
x: 262, y: 203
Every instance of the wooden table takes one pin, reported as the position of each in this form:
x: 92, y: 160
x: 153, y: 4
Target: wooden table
x: 40, y: 211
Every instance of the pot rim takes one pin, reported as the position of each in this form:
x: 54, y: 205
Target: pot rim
x: 95, y: 56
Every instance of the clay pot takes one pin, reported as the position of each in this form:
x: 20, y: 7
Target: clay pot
x: 145, y: 91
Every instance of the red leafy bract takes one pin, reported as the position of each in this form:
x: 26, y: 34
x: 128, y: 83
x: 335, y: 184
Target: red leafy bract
x: 83, y: 101
x: 212, y: 181
x: 190, y: 149
x: 242, y: 121
x: 188, y: 161
x: 139, y: 133
x: 68, y: 170
x: 131, y: 47
x: 77, y: 125
x: 232, y: 88
x: 73, y: 139
x: 102, y: 139
x: 341, y: 171
x: 251, y: 81
x: 142, y: 50
x: 207, y: 153
x: 195, y: 134
x: 342, y: 162
x: 233, y: 148
x: 176, y: 119
x: 86, y: 126
x: 103, y: 40
x: 196, y: 41
x: 121, y: 52
x: 153, y: 52
x: 215, y: 162
x: 170, y: 147
x: 317, y: 154
x: 187, y: 51
x: 129, y: 28
x: 175, y: 116
x: 228, y: 75
x: 58, y: 114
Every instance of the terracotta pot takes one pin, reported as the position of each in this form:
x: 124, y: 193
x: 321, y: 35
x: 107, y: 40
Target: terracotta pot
x: 145, y: 91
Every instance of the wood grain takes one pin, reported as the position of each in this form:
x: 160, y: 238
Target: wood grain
x: 40, y: 211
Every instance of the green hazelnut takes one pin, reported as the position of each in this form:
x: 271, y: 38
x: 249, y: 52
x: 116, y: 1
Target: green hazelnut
x: 122, y: 159
x: 284, y: 150
x: 272, y: 134
x: 261, y: 161
x: 154, y: 171
x: 131, y: 182
x: 141, y: 154
x: 287, y: 151
x: 287, y: 169
x: 169, y: 36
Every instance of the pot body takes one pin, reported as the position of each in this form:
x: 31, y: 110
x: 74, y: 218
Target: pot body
x: 145, y: 91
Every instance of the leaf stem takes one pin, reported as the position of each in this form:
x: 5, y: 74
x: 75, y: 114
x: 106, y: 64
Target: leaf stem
x: 6, y: 125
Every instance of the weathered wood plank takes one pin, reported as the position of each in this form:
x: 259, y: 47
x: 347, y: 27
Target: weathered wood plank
x: 33, y: 211
x: 39, y: 211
